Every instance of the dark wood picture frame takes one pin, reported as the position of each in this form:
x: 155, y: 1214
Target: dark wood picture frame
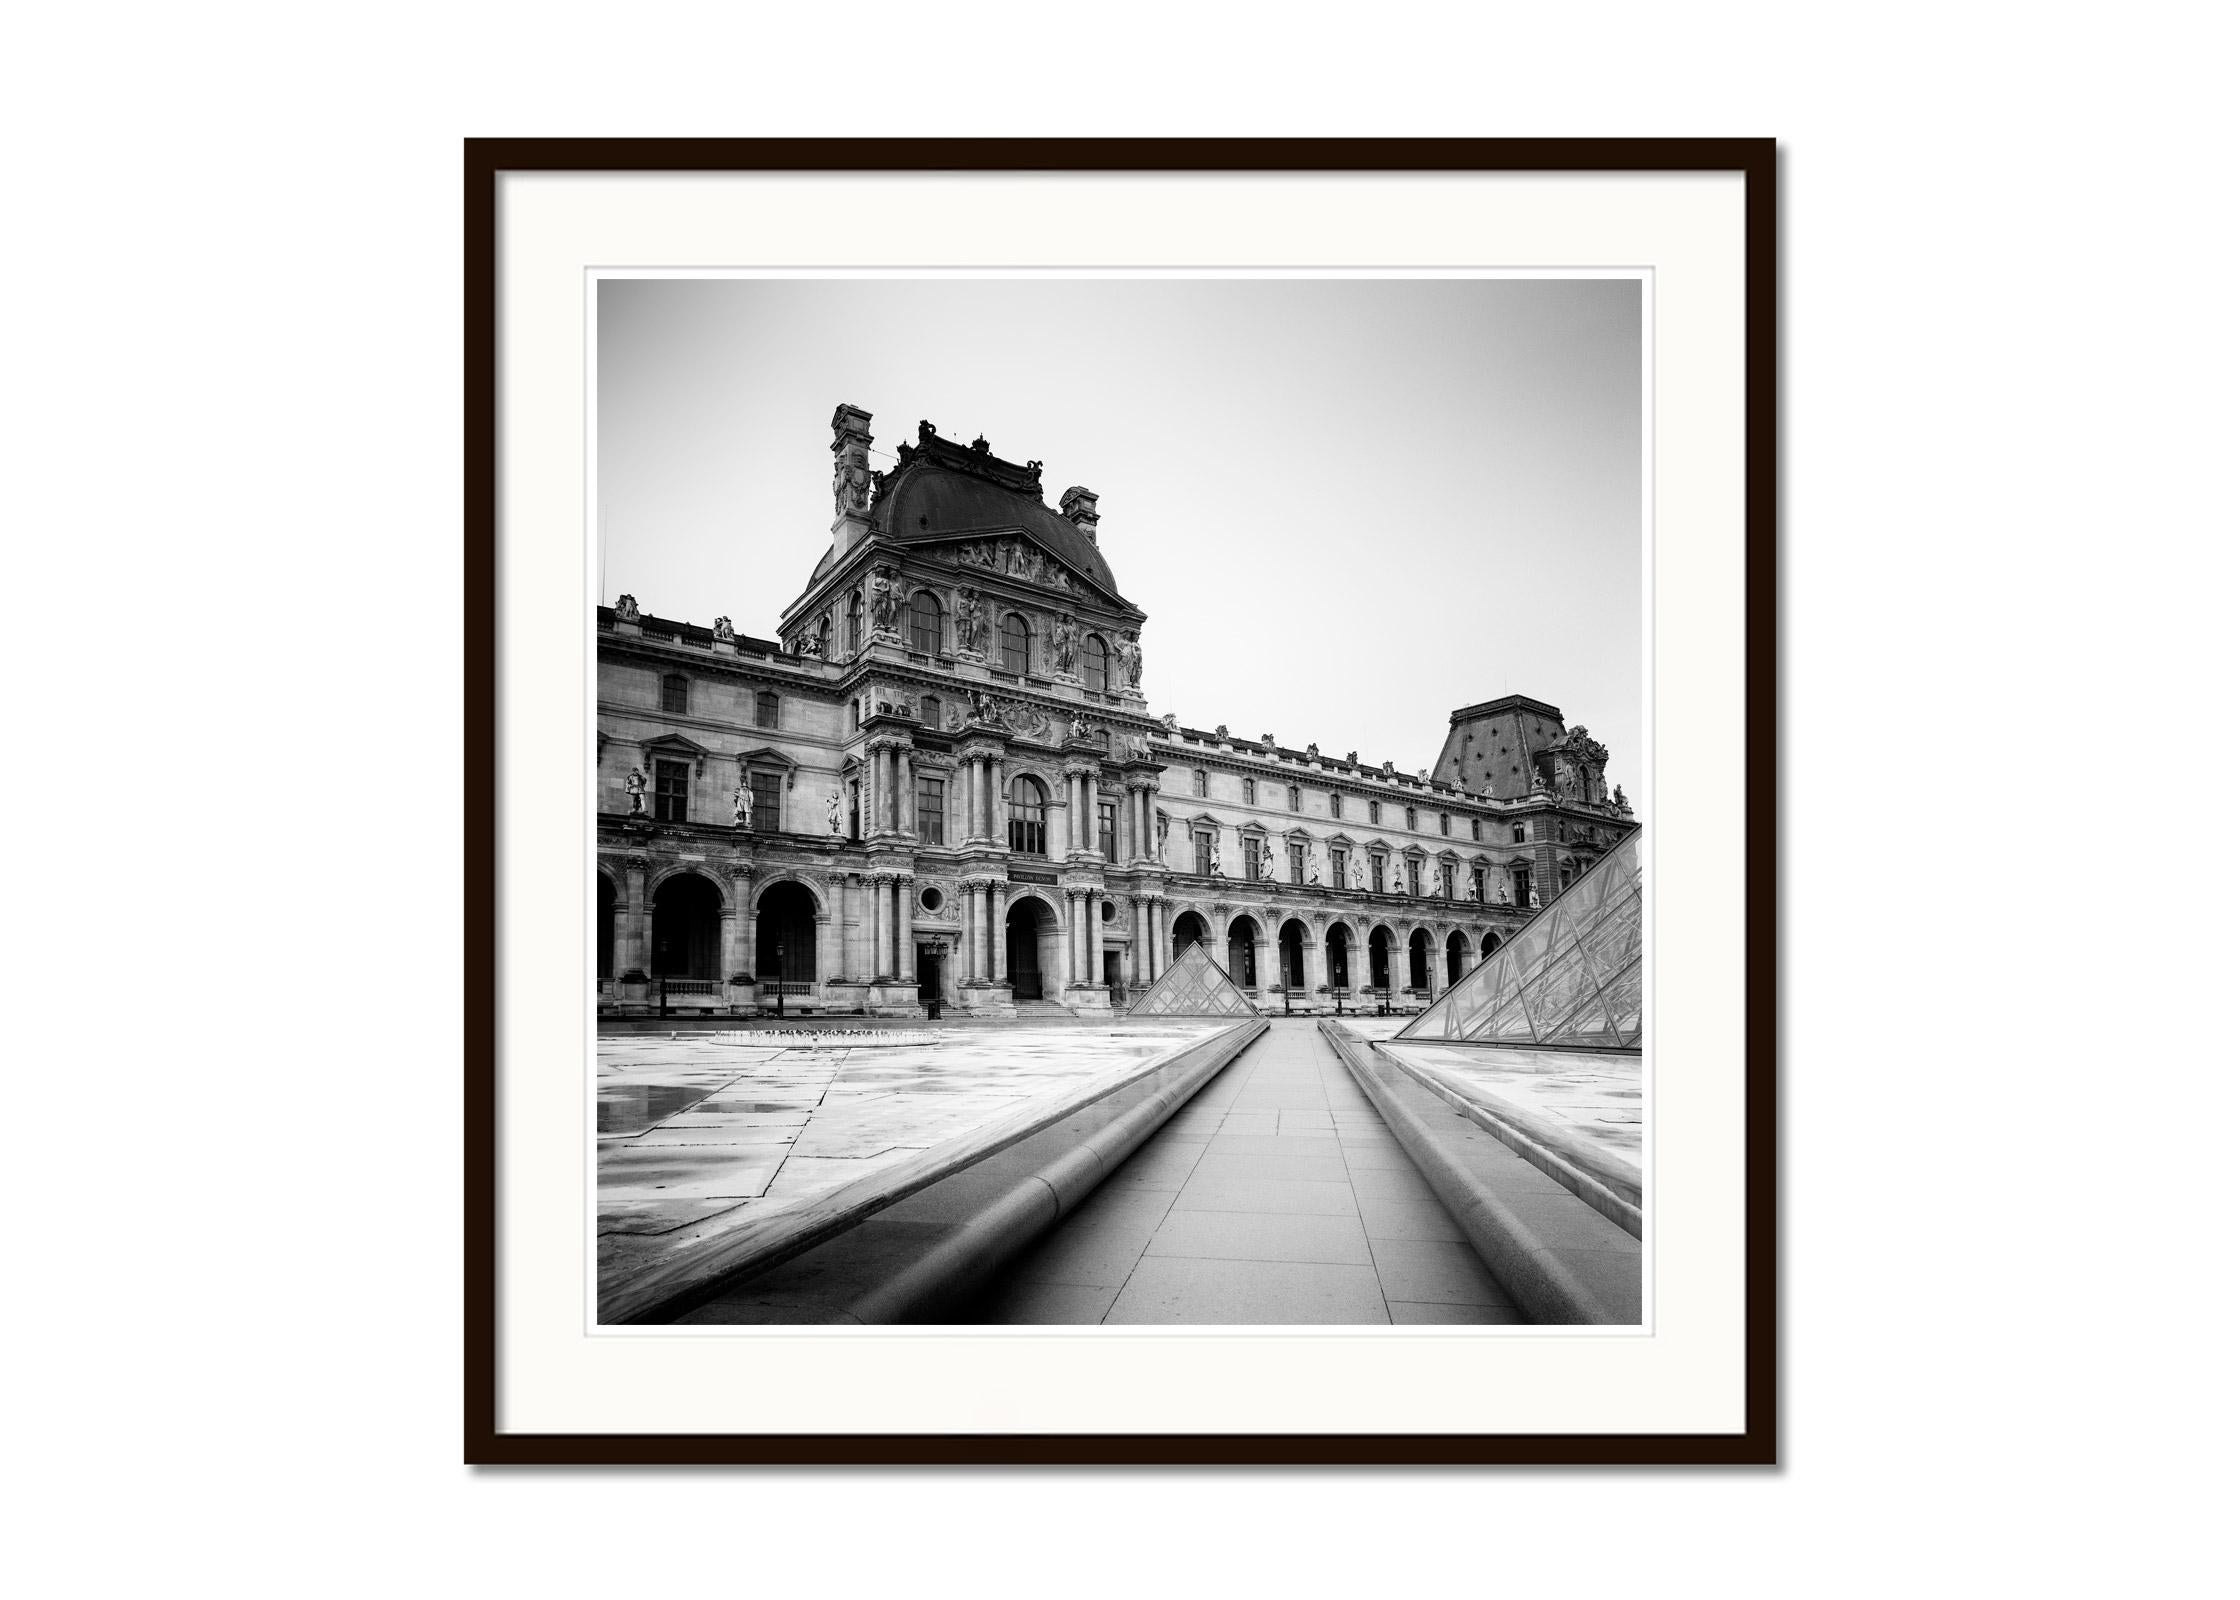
x: 488, y: 162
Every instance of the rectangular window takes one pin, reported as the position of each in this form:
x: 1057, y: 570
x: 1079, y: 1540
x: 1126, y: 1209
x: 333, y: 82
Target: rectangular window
x: 1338, y: 866
x: 929, y: 711
x: 1251, y: 792
x: 1251, y: 858
x: 1415, y: 877
x: 1295, y: 797
x: 1108, y: 829
x: 1298, y: 863
x: 1443, y: 821
x: 1376, y: 811
x: 1478, y: 884
x: 765, y: 787
x: 672, y: 782
x: 1198, y: 782
x: 766, y: 709
x: 1337, y: 805
x: 929, y: 811
x: 1477, y: 827
x: 1516, y: 833
x: 1411, y: 819
x: 673, y: 693
x: 1203, y: 843
x: 1376, y: 873
x: 1446, y: 882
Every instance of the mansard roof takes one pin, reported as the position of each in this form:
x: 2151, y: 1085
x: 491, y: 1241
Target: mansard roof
x: 944, y: 490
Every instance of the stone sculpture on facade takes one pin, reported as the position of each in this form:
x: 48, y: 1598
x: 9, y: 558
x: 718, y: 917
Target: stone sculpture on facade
x: 1501, y: 894
x: 1171, y: 723
x: 1131, y: 659
x: 1360, y: 874
x: 1618, y: 799
x: 626, y: 608
x: 635, y: 787
x: 724, y: 635
x: 970, y: 623
x: 1077, y: 729
x: 1065, y: 638
x: 1267, y: 863
x: 832, y: 813
x: 1314, y: 867
x: 742, y: 806
x: 882, y: 600
x: 1535, y: 900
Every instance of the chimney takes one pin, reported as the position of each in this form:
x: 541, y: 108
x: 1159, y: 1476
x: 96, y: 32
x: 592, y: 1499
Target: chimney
x: 1079, y: 507
x: 851, y: 476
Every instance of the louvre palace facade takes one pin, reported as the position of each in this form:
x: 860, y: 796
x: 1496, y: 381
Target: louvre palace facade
x: 942, y: 779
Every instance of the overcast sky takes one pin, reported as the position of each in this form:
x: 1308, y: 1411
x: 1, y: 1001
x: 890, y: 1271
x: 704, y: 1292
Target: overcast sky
x: 1348, y: 506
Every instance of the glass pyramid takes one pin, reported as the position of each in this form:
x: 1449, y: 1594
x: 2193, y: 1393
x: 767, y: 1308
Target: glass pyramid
x: 1570, y: 979
x: 1195, y: 986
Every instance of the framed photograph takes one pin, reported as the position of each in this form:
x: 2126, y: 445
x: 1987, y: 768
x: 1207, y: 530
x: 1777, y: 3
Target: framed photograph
x: 1125, y: 801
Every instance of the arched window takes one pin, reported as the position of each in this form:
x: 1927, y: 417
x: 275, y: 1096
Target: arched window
x: 855, y: 623
x: 824, y: 636
x: 1093, y: 663
x: 1011, y: 634
x: 1028, y: 802
x: 925, y: 623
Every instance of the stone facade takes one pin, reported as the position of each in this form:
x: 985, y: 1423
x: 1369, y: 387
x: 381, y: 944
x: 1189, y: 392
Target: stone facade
x: 943, y: 776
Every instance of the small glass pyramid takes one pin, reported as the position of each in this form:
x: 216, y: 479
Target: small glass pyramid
x: 1195, y: 986
x: 1570, y: 979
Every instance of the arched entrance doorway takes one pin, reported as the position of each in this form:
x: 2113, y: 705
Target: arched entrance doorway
x: 1031, y: 952
x: 1419, y: 960
x: 1189, y: 929
x: 1490, y: 943
x: 1243, y: 965
x: 1380, y: 958
x: 1458, y: 955
x: 785, y: 939
x: 1337, y: 953
x: 1291, y: 953
x: 606, y: 927
x: 687, y: 929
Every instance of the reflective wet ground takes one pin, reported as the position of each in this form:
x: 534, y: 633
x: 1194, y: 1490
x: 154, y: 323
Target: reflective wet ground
x: 701, y: 1127
x: 1593, y: 1096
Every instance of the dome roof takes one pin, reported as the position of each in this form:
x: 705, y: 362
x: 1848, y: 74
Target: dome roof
x: 946, y: 491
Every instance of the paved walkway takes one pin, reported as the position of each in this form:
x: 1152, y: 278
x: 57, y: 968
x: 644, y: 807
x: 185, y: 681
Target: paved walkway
x: 1275, y: 1196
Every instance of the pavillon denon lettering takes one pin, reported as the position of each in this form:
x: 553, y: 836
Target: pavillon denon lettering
x: 942, y: 777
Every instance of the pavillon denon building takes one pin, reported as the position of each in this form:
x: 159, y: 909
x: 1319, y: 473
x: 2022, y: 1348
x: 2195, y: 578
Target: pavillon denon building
x: 942, y: 778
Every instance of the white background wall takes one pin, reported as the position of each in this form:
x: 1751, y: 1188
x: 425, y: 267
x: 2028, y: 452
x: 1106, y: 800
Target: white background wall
x: 235, y: 432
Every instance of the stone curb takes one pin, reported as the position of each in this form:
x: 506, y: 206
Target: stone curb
x: 1560, y: 1259
x: 922, y: 1243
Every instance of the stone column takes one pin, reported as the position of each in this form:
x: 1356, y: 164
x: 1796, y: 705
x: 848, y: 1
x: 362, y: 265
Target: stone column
x: 632, y: 950
x: 1316, y: 960
x: 1072, y: 940
x: 828, y: 948
x: 880, y: 939
x: 999, y: 949
x: 999, y: 807
x: 905, y: 933
x: 906, y: 792
x: 738, y: 927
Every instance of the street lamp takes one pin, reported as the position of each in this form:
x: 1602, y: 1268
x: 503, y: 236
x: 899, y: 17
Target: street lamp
x: 781, y: 980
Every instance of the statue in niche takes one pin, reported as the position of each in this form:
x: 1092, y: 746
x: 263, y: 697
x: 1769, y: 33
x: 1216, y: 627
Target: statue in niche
x: 1267, y: 863
x: 970, y: 623
x: 1471, y: 892
x: 1314, y: 868
x: 742, y: 806
x: 983, y: 707
x: 882, y: 600
x: 1539, y: 781
x: 1213, y: 857
x: 626, y: 608
x: 635, y: 787
x: 832, y: 813
x: 724, y: 635
x: 1501, y: 894
x: 1063, y: 640
x: 1077, y: 729
x: 1162, y: 825
x: 1535, y: 902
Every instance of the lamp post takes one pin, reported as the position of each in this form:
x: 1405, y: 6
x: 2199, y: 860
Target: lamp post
x: 781, y: 981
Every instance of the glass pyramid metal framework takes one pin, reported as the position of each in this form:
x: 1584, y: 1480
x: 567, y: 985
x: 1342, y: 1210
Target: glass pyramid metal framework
x: 1195, y: 986
x: 1571, y: 979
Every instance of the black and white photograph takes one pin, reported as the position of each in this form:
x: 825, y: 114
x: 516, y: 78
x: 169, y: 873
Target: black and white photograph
x: 1121, y: 801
